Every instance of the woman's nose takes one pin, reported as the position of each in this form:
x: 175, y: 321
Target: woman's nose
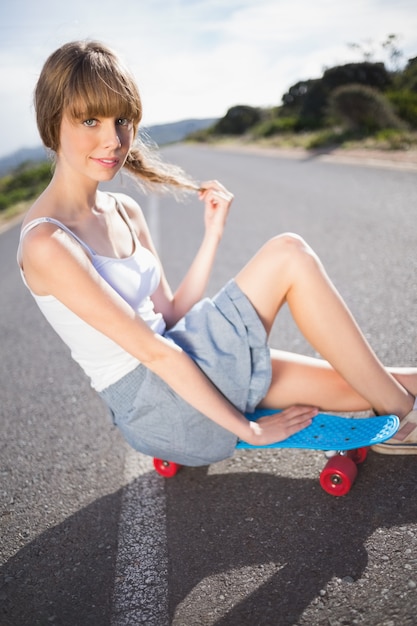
x: 111, y: 135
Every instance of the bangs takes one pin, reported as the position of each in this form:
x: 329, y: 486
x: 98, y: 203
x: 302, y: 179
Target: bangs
x: 99, y: 89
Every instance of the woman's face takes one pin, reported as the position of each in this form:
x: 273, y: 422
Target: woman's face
x: 95, y: 147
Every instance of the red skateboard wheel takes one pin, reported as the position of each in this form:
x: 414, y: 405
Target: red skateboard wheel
x: 338, y: 475
x: 166, y: 468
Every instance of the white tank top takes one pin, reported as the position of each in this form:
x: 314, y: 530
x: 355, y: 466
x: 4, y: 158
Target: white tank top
x: 135, y: 278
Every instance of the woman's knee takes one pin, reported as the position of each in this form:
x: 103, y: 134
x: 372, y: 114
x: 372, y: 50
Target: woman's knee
x: 290, y: 245
x: 290, y: 253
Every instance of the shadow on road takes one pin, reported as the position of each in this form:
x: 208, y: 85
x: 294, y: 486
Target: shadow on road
x: 65, y: 576
x: 283, y: 538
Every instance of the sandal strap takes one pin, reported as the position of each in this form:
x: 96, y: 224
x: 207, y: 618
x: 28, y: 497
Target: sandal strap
x: 407, y: 426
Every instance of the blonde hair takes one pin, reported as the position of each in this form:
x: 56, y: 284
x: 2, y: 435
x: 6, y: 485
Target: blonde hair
x: 86, y: 78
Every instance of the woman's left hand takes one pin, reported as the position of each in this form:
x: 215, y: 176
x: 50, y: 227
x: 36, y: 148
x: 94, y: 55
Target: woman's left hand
x: 217, y: 200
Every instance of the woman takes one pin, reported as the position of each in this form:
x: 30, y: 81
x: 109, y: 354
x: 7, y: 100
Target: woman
x: 178, y: 371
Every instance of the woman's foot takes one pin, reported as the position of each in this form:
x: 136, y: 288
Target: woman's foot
x: 404, y: 440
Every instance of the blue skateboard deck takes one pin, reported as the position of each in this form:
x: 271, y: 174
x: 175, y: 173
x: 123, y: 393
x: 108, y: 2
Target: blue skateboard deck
x: 332, y: 432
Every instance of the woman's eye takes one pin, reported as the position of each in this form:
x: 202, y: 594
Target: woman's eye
x: 123, y: 121
x: 90, y: 122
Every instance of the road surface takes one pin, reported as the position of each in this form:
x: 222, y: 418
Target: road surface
x: 92, y: 537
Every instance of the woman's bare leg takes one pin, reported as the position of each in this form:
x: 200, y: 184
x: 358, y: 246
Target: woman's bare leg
x: 298, y: 379
x: 287, y: 270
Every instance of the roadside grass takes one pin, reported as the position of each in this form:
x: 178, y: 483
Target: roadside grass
x: 13, y: 212
x: 386, y: 140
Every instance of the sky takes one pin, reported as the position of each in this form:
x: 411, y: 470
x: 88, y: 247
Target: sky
x: 194, y: 58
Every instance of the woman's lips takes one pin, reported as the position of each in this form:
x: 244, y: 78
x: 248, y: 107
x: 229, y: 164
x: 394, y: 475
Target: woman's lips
x: 107, y: 162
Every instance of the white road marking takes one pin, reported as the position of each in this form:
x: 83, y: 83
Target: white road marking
x: 140, y: 595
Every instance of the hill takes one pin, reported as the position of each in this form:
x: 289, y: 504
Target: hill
x: 164, y: 134
x: 13, y: 160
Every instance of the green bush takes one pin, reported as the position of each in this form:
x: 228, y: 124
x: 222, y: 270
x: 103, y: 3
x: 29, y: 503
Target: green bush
x: 275, y: 126
x: 325, y: 139
x: 405, y: 105
x: 362, y: 108
x: 24, y: 183
x: 202, y: 135
x: 394, y: 139
x: 407, y: 79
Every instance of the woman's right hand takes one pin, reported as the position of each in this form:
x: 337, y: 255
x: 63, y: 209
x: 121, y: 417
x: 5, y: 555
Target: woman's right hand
x: 279, y: 426
x: 217, y: 201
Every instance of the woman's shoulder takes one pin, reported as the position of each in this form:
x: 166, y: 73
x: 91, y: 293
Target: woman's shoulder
x: 44, y: 234
x: 38, y: 230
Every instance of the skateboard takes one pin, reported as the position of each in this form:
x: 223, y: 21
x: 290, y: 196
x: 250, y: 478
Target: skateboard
x: 344, y: 440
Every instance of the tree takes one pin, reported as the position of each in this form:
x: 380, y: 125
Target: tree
x: 394, y: 52
x: 238, y: 120
x: 389, y: 45
x: 369, y: 74
x: 306, y: 99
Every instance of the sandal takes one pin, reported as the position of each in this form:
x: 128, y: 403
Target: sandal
x: 405, y: 439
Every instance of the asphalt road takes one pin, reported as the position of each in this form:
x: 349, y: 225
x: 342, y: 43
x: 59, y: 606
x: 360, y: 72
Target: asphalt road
x: 90, y: 536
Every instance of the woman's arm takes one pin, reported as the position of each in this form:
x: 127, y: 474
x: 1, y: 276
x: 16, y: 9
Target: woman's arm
x: 55, y: 264
x: 217, y: 201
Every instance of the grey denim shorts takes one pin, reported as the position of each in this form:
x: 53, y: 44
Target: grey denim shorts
x: 227, y: 340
